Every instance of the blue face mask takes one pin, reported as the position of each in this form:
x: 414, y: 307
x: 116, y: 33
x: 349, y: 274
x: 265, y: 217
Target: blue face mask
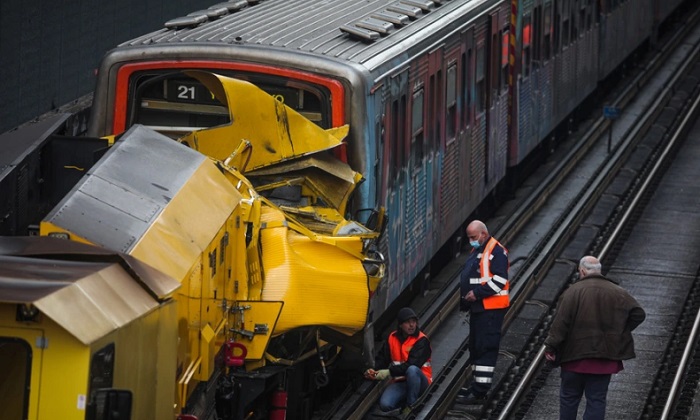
x: 474, y: 244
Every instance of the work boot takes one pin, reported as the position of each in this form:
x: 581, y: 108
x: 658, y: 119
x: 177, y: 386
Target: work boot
x: 404, y: 413
x: 391, y: 413
x: 471, y: 399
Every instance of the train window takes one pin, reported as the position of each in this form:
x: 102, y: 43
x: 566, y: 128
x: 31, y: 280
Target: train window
x: 466, y: 88
x: 547, y: 26
x: 15, y: 364
x: 526, y: 58
x: 494, y: 66
x: 556, y: 29
x: 565, y: 33
x: 401, y: 117
x: 435, y: 116
x: 102, y: 368
x: 536, y: 34
x: 379, y: 151
x: 398, y: 134
x: 397, y: 150
x: 505, y: 53
x: 175, y: 104
x: 480, y: 90
x: 417, y: 131
x: 451, y: 102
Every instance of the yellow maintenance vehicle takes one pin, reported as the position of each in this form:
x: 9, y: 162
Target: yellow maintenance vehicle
x: 254, y: 280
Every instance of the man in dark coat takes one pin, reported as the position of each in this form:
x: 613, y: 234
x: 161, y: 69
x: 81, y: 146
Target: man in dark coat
x: 405, y: 358
x: 590, y: 336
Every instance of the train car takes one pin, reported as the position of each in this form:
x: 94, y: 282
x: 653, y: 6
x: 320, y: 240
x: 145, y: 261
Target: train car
x: 85, y: 333
x: 254, y: 258
x: 624, y: 26
x: 560, y: 52
x: 422, y: 85
x: 442, y: 96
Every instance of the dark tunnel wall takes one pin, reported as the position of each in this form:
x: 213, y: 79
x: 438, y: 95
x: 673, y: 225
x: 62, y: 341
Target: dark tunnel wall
x: 50, y: 49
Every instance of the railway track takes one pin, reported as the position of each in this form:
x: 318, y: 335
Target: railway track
x: 537, y: 230
x: 615, y: 234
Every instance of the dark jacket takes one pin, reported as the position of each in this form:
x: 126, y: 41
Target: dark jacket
x: 419, y: 354
x: 594, y: 319
x: 498, y: 266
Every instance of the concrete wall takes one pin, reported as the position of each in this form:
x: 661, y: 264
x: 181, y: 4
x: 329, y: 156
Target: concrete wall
x: 50, y: 49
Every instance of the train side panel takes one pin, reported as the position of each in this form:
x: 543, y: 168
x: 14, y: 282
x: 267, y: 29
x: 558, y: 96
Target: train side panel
x: 624, y: 26
x: 663, y: 9
x: 444, y: 140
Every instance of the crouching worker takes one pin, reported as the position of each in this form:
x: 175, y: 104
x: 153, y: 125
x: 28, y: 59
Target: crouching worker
x: 405, y: 359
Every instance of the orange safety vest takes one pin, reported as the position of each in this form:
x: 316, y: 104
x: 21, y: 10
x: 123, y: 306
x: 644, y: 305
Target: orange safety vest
x: 501, y: 299
x: 399, y: 354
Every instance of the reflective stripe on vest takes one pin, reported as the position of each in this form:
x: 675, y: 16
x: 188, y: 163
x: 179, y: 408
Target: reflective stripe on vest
x: 399, y: 354
x: 500, y: 299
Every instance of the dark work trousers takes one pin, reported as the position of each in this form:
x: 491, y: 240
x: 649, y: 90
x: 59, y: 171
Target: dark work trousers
x: 484, y: 341
x: 573, y: 385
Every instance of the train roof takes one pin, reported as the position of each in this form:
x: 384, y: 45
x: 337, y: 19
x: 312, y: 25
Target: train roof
x: 342, y: 29
x: 87, y: 290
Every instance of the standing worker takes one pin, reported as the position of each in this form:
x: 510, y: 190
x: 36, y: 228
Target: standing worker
x: 590, y: 336
x: 405, y: 358
x: 484, y: 290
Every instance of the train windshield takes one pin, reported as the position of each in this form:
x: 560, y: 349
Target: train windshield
x: 175, y: 104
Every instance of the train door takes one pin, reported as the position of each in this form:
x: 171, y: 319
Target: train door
x: 497, y: 67
x: 546, y: 83
x: 525, y: 90
x: 450, y: 168
x: 396, y: 108
x: 430, y: 188
x: 492, y: 94
x: 20, y: 364
x: 467, y: 119
x: 479, y: 138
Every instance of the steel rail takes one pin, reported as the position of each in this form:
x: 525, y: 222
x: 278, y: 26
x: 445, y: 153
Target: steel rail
x: 688, y: 121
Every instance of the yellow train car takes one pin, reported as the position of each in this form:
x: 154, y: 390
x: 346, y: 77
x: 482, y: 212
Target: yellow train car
x: 266, y: 283
x: 83, y: 329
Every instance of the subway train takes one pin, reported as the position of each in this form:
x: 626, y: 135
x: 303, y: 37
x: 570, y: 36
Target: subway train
x: 436, y: 102
x: 442, y: 96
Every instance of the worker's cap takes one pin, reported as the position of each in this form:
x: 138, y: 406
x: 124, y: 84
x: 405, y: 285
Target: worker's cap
x: 405, y: 314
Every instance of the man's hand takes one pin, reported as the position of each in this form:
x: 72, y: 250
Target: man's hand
x: 382, y: 374
x: 469, y: 297
x: 370, y: 374
x: 550, y: 356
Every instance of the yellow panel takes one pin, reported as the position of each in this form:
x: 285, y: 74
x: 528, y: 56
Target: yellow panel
x: 187, y: 225
x: 110, y: 296
x: 263, y: 314
x: 58, y: 370
x: 307, y: 275
x: 49, y: 229
x: 179, y: 243
x: 145, y: 358
x: 284, y: 135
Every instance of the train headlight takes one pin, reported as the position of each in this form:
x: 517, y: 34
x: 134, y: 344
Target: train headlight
x: 26, y: 312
